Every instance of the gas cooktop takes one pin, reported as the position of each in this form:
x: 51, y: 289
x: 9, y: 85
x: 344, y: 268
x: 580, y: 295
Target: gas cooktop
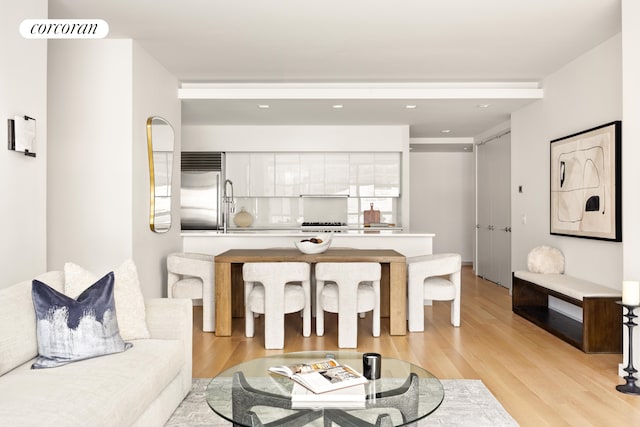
x: 324, y: 226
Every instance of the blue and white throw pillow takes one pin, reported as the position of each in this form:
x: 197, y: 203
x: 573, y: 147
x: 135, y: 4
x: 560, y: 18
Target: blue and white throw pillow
x: 75, y: 329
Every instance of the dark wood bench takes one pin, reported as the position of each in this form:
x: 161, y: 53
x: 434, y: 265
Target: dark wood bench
x: 601, y: 328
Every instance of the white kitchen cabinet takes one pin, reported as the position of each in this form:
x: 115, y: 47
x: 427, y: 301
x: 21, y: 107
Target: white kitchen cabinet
x: 287, y: 174
x: 387, y: 175
x: 262, y: 176
x: 311, y: 173
x: 252, y: 174
x: 336, y: 173
x: 361, y: 174
x: 318, y: 174
x: 375, y: 174
x: 237, y: 169
x: 323, y: 174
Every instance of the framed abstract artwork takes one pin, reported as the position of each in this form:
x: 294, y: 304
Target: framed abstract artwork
x: 586, y: 184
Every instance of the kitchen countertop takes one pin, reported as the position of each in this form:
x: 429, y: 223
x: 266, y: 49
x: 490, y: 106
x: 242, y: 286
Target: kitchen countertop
x: 254, y: 232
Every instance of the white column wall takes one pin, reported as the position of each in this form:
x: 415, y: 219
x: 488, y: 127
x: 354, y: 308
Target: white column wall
x: 631, y: 155
x: 89, y: 177
x: 23, y: 91
x: 101, y: 94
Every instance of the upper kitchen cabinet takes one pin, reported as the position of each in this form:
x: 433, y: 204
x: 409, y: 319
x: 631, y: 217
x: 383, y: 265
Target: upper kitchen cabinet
x: 252, y: 174
x: 314, y: 174
x: 336, y: 172
x: 287, y: 174
x: 375, y: 174
x: 387, y: 175
x: 324, y: 174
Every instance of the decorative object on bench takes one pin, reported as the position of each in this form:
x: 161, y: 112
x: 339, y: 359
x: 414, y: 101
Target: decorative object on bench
x: 629, y: 387
x: 586, y: 184
x: 598, y: 332
x: 191, y: 275
x: 545, y: 260
x: 425, y: 284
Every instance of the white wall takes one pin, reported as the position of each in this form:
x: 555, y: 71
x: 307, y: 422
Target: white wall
x: 295, y: 138
x: 100, y: 95
x: 154, y: 94
x: 23, y: 91
x: 583, y: 94
x: 442, y: 197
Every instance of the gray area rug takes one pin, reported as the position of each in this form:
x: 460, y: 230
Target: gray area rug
x: 466, y: 403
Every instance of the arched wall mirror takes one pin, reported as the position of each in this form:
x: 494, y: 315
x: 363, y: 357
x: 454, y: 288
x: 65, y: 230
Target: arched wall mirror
x: 160, y: 138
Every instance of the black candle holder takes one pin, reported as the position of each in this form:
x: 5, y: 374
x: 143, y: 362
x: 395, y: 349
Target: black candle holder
x: 630, y: 386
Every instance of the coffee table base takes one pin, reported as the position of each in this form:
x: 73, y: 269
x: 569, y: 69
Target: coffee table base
x: 244, y: 397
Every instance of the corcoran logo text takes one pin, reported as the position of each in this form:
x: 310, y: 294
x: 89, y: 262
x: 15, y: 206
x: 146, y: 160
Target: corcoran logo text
x: 64, y: 28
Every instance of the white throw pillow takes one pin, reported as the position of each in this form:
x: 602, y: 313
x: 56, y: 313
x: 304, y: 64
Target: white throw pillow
x: 130, y: 308
x: 545, y: 260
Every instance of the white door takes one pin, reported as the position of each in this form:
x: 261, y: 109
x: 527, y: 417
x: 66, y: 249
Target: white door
x: 494, y: 213
x: 484, y: 251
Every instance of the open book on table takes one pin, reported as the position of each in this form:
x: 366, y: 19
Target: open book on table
x: 321, y: 376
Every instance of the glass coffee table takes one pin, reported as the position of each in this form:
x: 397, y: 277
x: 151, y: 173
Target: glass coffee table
x: 248, y: 395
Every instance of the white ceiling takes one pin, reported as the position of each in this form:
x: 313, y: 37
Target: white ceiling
x: 357, y: 41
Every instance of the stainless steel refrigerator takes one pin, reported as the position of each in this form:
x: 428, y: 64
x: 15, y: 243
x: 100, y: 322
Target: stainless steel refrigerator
x: 201, y: 179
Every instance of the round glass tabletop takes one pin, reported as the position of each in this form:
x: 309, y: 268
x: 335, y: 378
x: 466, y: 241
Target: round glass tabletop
x: 249, y: 395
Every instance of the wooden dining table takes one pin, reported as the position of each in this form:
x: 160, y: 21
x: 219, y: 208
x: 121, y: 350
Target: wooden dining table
x: 229, y: 286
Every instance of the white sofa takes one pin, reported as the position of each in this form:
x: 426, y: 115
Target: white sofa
x: 141, y: 386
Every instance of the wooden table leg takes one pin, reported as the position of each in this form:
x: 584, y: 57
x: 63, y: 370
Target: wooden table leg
x: 223, y: 299
x: 385, y: 285
x: 398, y: 298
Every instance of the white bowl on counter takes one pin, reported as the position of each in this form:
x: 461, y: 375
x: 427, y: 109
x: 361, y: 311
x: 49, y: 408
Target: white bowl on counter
x: 309, y: 247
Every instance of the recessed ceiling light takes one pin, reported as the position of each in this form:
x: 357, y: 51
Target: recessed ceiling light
x: 483, y: 105
x: 445, y: 131
x: 410, y: 106
x: 337, y: 106
x: 263, y: 105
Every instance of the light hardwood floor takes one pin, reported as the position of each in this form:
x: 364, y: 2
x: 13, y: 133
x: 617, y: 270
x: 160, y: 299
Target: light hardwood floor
x: 539, y: 379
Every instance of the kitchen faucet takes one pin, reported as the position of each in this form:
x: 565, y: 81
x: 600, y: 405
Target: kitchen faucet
x: 229, y: 204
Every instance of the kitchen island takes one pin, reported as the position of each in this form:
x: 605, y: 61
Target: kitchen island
x: 215, y: 242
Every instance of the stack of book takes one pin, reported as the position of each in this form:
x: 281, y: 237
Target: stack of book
x: 324, y: 384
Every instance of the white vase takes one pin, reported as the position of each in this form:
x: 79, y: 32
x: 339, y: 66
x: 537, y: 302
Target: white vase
x: 243, y: 218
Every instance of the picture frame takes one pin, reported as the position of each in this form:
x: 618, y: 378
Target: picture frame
x: 586, y: 184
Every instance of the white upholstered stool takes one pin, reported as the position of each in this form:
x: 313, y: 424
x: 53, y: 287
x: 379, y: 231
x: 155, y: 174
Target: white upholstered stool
x: 268, y: 290
x: 340, y: 289
x: 426, y: 285
x: 191, y: 275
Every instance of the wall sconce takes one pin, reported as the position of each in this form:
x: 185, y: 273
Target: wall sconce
x: 22, y: 135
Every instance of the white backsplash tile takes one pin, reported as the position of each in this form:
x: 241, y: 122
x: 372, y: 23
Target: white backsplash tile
x: 292, y: 211
x: 328, y: 209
